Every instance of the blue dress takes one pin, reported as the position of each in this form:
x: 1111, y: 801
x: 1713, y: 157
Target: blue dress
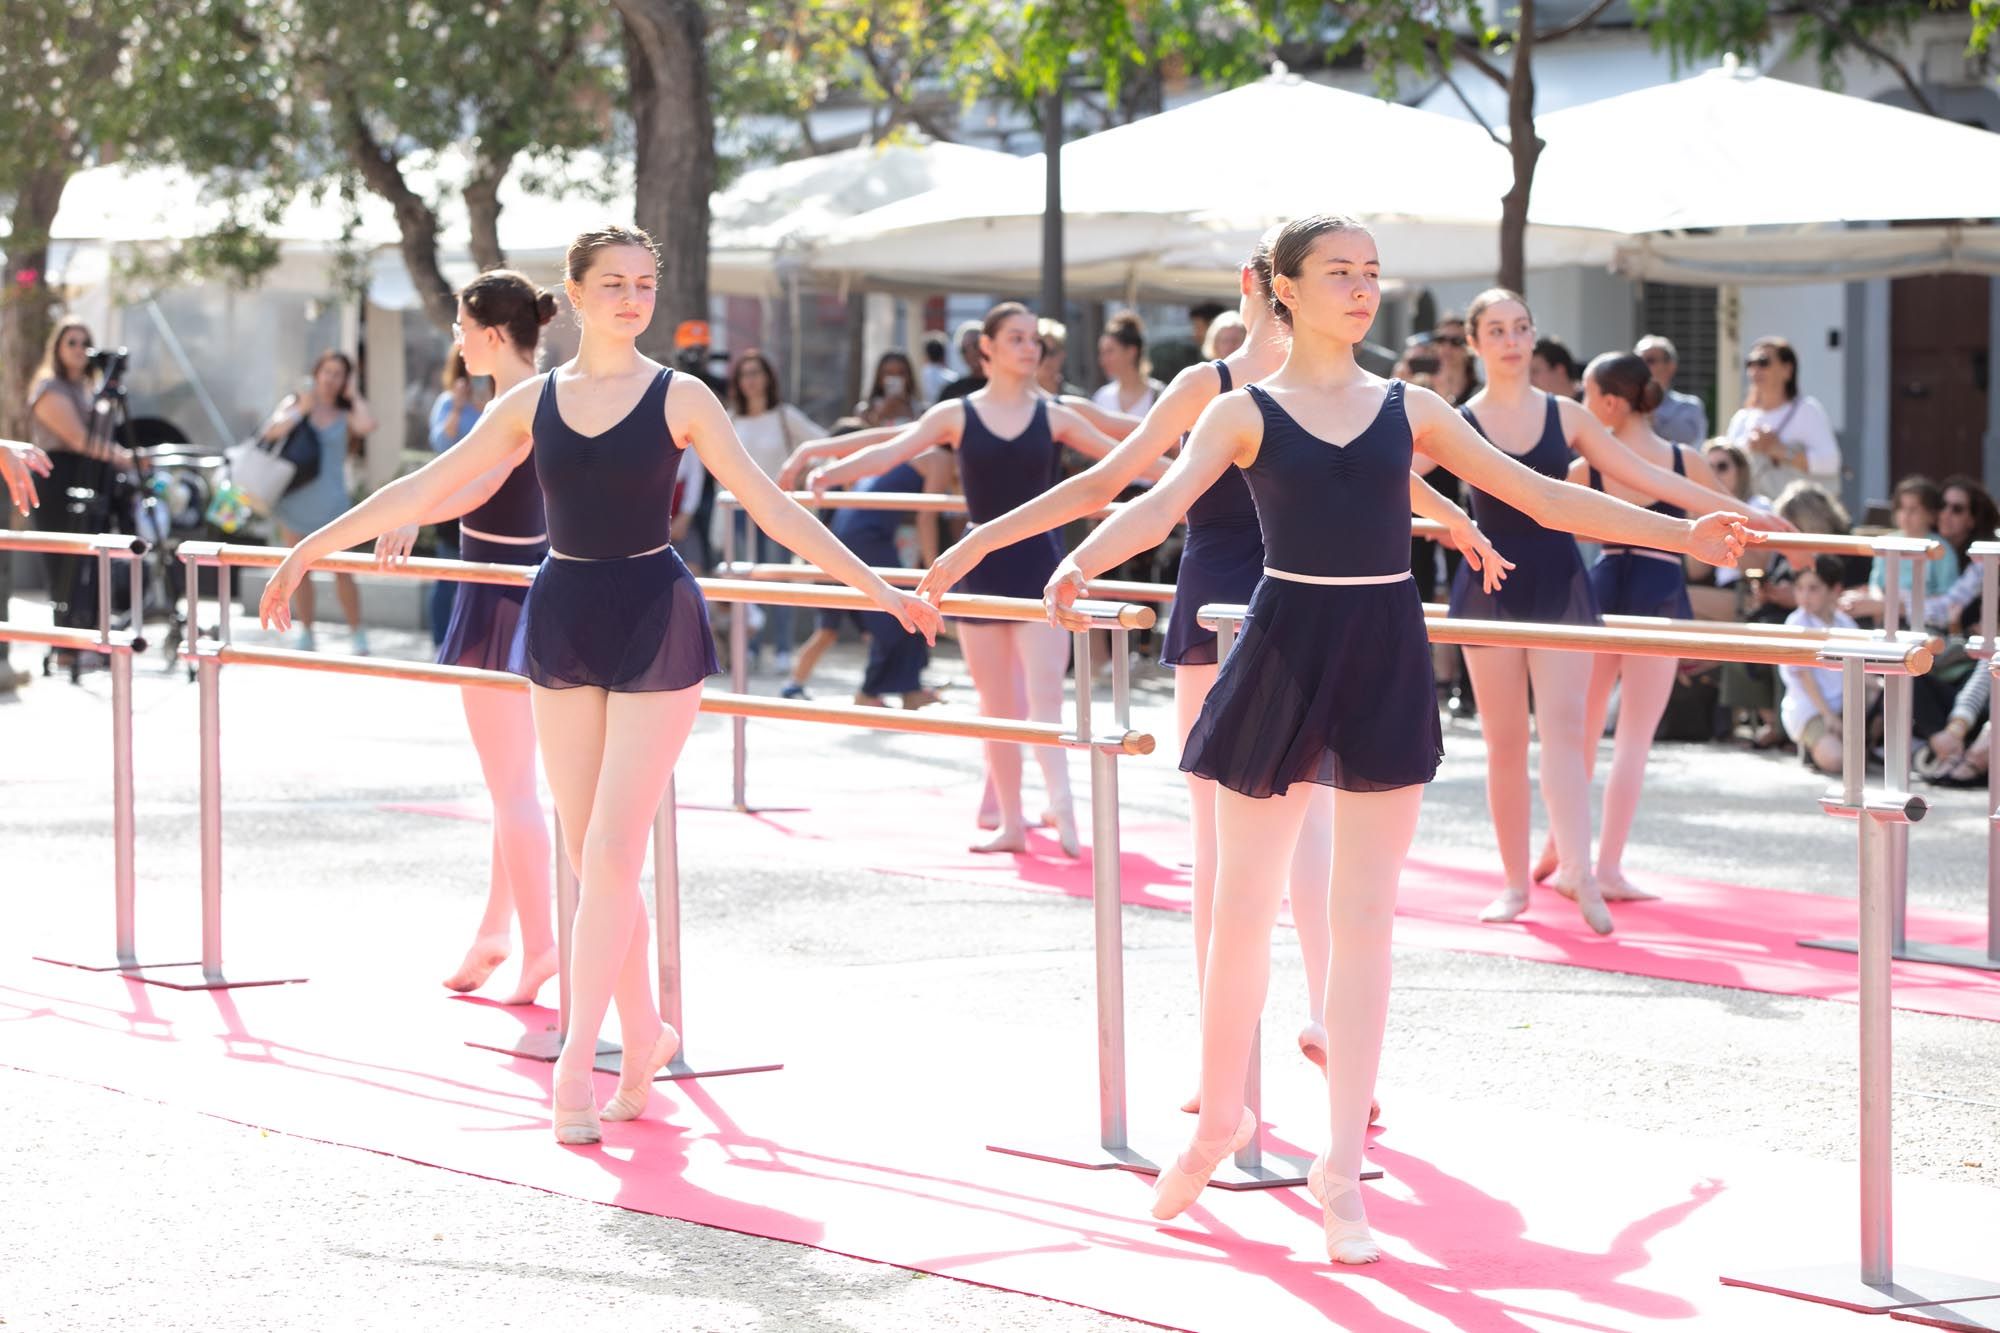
x: 1548, y: 584
x: 616, y: 614
x: 1638, y: 581
x: 486, y: 628
x: 324, y: 498
x: 1221, y: 561
x: 1328, y: 682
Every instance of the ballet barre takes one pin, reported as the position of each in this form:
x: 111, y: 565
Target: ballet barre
x: 118, y: 648
x: 1882, y: 818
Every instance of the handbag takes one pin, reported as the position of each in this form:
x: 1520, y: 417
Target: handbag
x: 302, y: 450
x: 260, y: 474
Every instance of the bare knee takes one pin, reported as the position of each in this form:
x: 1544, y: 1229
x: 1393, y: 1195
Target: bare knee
x: 618, y: 854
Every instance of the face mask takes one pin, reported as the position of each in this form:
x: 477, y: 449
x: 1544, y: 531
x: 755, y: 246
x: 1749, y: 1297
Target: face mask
x: 893, y: 386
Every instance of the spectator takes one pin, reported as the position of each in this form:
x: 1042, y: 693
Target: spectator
x: 1681, y: 417
x: 1788, y: 434
x: 1202, y: 318
x: 1121, y: 354
x: 1969, y: 515
x: 1960, y: 752
x: 1552, y: 369
x: 1457, y: 375
x: 341, y: 419
x: 936, y: 373
x: 1226, y: 334
x: 82, y: 464
x: 891, y: 399
x: 1055, y: 351
x: 1813, y: 700
x: 1919, y: 503
x: 974, y: 377
x: 770, y: 429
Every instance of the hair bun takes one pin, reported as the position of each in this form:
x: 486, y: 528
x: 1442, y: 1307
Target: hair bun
x: 545, y: 307
x: 1651, y: 396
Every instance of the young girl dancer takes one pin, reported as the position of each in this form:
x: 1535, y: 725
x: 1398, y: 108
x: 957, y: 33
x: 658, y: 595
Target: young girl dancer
x: 1331, y: 681
x: 1619, y: 390
x: 1550, y: 586
x: 1008, y: 437
x: 1221, y: 562
x: 500, y: 318
x: 617, y: 635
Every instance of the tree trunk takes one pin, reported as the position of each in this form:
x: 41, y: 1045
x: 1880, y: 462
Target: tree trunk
x: 416, y: 222
x: 482, y: 209
x: 1525, y: 148
x: 27, y: 303
x: 667, y: 71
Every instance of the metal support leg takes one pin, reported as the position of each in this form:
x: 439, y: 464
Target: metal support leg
x: 667, y: 927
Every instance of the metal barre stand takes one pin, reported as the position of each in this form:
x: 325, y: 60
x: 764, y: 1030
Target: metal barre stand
x: 118, y: 650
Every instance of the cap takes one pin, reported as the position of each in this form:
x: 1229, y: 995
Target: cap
x: 691, y: 333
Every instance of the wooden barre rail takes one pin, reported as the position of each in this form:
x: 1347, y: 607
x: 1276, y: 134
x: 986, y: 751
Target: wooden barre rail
x: 719, y: 702
x: 957, y: 605
x: 72, y: 543
x: 931, y: 502
x: 1912, y: 657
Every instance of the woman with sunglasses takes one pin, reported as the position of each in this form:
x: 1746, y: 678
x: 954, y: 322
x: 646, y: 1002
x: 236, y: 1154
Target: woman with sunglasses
x: 1788, y: 434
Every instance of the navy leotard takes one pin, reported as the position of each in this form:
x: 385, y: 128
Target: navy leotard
x: 1548, y: 584
x: 1329, y: 682
x: 1221, y: 560
x: 1639, y: 581
x: 617, y: 613
x: 485, y: 628
x: 1001, y: 475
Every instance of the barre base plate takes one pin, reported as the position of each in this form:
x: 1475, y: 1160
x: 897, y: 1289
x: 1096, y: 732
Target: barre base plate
x: 544, y: 1046
x: 203, y: 981
x: 1841, y: 1285
x: 1276, y: 1170
x: 611, y: 1060
x: 1917, y: 952
x: 1972, y: 1315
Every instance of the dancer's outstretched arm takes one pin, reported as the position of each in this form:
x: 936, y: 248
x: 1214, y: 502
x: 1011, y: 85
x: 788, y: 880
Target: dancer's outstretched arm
x: 1118, y: 425
x: 500, y: 437
x: 1173, y: 414
x: 393, y: 547
x: 1717, y: 539
x: 800, y: 461
x: 696, y: 417
x: 1604, y: 452
x: 1227, y: 435
x: 1462, y: 532
x: 941, y: 425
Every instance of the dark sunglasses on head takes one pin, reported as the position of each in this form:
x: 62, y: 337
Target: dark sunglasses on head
x: 1758, y: 362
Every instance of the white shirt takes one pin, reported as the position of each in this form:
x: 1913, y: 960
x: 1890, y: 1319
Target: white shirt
x: 1797, y: 708
x: 1107, y: 398
x: 1801, y: 423
x: 770, y: 437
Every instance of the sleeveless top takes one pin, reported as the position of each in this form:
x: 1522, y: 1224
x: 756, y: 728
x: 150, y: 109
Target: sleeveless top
x: 1227, y: 502
x: 1657, y: 507
x: 878, y: 526
x: 608, y: 495
x: 515, y: 510
x: 1334, y: 512
x: 998, y: 474
x: 1550, y: 457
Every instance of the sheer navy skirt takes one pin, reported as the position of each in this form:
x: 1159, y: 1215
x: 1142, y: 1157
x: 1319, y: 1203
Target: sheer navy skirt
x: 634, y: 625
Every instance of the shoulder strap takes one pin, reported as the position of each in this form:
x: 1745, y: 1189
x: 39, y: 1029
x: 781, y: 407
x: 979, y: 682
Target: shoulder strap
x: 1596, y: 480
x: 1222, y: 369
x: 1680, y: 470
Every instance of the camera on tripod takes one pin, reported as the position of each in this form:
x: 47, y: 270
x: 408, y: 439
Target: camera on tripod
x: 109, y: 362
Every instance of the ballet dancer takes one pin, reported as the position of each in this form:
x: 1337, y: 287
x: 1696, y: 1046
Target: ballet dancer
x: 499, y: 326
x: 1330, y: 682
x: 1550, y: 586
x: 1619, y: 390
x: 616, y: 633
x: 1009, y: 439
x: 1220, y: 562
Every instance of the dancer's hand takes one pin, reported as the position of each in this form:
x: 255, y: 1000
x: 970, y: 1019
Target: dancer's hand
x: 20, y: 464
x: 1479, y: 552
x: 1059, y: 597
x: 799, y: 461
x: 393, y: 547
x: 1759, y: 521
x: 274, y: 609
x: 1719, y: 539
x: 819, y: 483
x: 917, y: 615
x: 945, y: 571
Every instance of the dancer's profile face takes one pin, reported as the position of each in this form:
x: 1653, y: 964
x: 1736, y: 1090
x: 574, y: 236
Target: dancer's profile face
x: 617, y: 291
x: 478, y: 345
x: 1338, y: 288
x: 1611, y: 410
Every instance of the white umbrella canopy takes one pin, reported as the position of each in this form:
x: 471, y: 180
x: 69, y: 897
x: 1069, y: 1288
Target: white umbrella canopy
x: 1730, y: 148
x: 1179, y: 197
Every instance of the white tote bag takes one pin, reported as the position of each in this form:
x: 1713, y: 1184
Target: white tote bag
x: 258, y: 471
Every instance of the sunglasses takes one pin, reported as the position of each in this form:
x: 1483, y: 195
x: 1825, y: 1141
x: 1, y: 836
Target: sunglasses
x: 1723, y: 465
x: 1957, y: 507
x: 1758, y: 362
x: 1449, y: 339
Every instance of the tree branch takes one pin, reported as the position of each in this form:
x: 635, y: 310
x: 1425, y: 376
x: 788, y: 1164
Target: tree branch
x: 1444, y: 73
x: 1469, y: 50
x: 1588, y: 18
x: 1831, y: 18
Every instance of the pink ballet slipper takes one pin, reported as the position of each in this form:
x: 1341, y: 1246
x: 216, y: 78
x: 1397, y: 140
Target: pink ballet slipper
x: 1180, y: 1184
x: 635, y: 1080
x: 574, y: 1126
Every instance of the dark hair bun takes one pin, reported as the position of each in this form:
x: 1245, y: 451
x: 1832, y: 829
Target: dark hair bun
x: 545, y: 307
x: 1651, y: 396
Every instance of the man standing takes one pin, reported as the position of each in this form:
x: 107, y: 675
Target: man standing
x: 975, y: 364
x: 1680, y: 417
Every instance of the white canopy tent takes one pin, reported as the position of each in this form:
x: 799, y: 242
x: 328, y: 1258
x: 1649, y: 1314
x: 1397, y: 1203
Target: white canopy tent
x: 1168, y: 205
x: 1773, y: 171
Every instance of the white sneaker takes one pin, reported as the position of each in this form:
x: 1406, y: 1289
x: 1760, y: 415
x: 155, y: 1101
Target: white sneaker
x: 302, y: 638
x: 360, y: 643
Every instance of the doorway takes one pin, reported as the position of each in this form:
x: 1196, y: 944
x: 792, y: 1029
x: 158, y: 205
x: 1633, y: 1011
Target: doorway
x: 1940, y: 362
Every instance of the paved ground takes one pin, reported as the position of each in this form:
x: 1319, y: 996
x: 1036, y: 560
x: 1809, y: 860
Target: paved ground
x: 100, y: 1226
